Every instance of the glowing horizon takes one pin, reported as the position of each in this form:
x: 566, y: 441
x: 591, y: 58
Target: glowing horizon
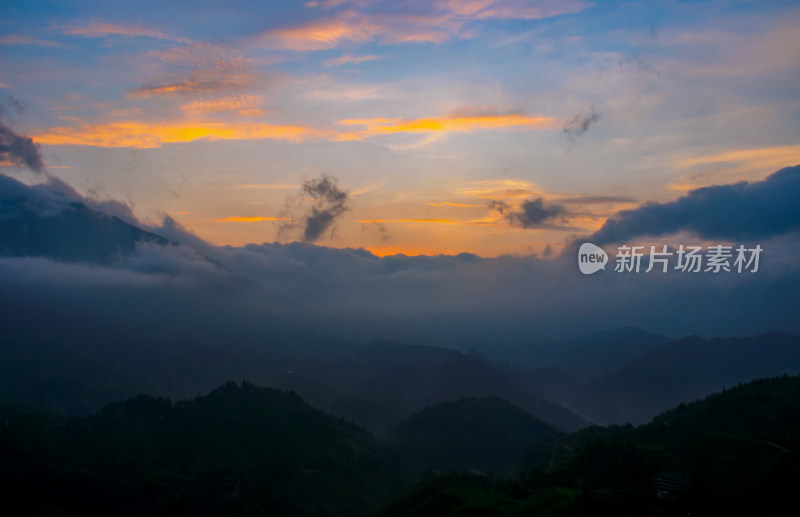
x: 493, y: 127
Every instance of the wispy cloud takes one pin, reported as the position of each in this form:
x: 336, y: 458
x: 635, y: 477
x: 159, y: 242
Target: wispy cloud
x: 598, y: 200
x: 499, y: 189
x: 99, y: 29
x: 265, y: 186
x: 345, y: 60
x: 759, y: 157
x: 349, y: 93
x: 511, y: 9
x: 249, y: 219
x: 417, y: 22
x: 183, y: 88
x: 22, y: 40
x: 460, y: 205
x: 733, y: 165
x: 323, y: 34
x: 424, y: 220
x: 453, y: 124
x: 236, y: 102
x: 196, y: 68
x: 149, y: 135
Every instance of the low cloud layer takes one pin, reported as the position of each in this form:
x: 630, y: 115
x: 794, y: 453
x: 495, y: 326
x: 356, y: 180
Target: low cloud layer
x: 741, y: 211
x: 18, y: 199
x: 433, y: 299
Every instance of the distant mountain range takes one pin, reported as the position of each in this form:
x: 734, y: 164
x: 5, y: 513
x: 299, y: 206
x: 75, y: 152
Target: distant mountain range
x: 383, y: 382
x: 629, y: 376
x: 582, y: 358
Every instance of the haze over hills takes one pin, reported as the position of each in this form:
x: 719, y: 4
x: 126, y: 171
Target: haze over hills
x: 584, y: 357
x: 684, y: 370
x: 381, y: 383
x: 730, y: 453
x: 96, y: 308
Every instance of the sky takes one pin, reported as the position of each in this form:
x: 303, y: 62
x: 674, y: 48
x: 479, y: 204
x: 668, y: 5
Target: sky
x: 431, y: 127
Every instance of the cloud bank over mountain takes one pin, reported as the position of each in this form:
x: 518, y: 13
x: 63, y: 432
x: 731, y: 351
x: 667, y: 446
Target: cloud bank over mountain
x: 755, y: 210
x: 427, y: 298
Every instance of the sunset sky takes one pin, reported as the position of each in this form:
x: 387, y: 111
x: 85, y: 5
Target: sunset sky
x: 493, y: 127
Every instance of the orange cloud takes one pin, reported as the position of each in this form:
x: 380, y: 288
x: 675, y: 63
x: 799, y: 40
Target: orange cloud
x: 426, y: 220
x: 500, y: 189
x: 324, y: 34
x: 149, y: 135
x: 409, y: 220
x: 387, y: 251
x: 765, y: 156
x: 251, y: 112
x: 740, y: 165
x: 184, y: 87
x: 359, y: 27
x: 145, y: 135
x: 254, y: 219
x: 486, y: 221
x: 458, y: 124
x: 461, y: 205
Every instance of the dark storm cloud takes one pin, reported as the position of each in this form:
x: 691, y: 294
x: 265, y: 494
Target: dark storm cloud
x: 330, y: 202
x: 19, y: 149
x: 580, y: 124
x: 532, y: 213
x: 739, y: 211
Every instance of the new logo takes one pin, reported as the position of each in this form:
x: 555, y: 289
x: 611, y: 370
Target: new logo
x: 591, y: 258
